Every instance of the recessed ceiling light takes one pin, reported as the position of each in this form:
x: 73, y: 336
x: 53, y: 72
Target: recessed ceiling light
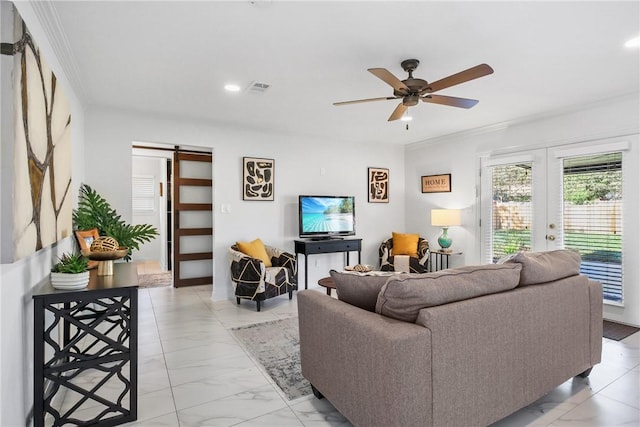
x: 634, y: 42
x: 232, y: 87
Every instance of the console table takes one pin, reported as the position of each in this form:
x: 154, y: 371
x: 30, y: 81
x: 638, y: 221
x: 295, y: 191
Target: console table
x: 99, y: 347
x: 312, y: 247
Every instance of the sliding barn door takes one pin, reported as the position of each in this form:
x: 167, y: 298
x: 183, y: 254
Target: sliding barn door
x: 193, y: 219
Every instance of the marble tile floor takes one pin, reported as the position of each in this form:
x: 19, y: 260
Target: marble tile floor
x: 192, y: 372
x: 149, y: 267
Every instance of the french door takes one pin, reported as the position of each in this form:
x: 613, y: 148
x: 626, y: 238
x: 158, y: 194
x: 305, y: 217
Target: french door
x: 559, y: 197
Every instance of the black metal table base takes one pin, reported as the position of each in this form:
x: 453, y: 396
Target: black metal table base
x: 90, y: 376
x: 439, y: 260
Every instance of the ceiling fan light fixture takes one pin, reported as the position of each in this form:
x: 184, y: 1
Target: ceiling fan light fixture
x: 634, y: 42
x: 230, y: 87
x: 406, y: 117
x: 411, y: 100
x: 413, y: 90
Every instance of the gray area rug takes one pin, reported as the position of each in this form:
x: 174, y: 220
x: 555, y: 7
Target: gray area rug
x: 276, y: 346
x: 155, y: 280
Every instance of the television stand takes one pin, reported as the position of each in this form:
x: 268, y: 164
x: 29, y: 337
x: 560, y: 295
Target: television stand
x: 325, y: 246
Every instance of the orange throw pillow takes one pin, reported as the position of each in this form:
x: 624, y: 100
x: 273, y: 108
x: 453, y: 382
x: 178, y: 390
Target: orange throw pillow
x: 256, y: 250
x: 405, y: 244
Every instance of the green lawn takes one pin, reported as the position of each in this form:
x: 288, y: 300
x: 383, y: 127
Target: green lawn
x: 592, y: 247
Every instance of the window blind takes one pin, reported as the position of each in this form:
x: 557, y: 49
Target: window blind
x: 592, y: 217
x: 143, y: 194
x: 511, y: 209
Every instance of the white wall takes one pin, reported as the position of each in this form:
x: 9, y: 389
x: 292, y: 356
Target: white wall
x: 18, y: 280
x: 303, y: 165
x: 459, y: 155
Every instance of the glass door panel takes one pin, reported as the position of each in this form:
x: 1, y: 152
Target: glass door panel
x: 589, y: 213
x: 511, y: 210
x: 513, y: 204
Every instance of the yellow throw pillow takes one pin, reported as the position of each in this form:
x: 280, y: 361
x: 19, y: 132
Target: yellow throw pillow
x: 405, y: 244
x: 255, y: 249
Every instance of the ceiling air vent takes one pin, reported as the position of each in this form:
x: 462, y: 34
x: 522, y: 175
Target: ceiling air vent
x: 258, y: 87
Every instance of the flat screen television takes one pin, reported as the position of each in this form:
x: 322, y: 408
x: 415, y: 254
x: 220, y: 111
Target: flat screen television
x: 325, y: 217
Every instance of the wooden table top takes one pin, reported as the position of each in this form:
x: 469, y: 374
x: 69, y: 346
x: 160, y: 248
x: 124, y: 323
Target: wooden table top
x: 327, y: 282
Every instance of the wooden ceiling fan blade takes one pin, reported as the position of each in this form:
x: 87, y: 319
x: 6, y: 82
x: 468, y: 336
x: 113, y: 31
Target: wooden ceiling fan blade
x: 358, y: 101
x: 450, y: 100
x: 398, y: 112
x: 386, y: 76
x: 461, y: 77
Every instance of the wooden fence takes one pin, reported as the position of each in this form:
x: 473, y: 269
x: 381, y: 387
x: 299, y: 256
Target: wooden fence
x: 600, y: 217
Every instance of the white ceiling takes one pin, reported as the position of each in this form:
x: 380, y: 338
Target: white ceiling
x: 174, y: 57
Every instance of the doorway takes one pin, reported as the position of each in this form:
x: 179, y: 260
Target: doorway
x: 149, y: 205
x: 569, y: 196
x: 167, y: 183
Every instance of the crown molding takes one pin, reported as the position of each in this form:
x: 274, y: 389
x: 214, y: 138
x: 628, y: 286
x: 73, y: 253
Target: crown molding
x: 524, y: 120
x: 49, y: 19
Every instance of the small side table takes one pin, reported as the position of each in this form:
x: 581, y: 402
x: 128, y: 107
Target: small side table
x: 441, y: 259
x: 327, y: 282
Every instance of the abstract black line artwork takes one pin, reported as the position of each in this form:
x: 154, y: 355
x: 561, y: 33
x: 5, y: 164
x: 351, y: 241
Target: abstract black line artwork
x: 258, y: 178
x: 378, y: 190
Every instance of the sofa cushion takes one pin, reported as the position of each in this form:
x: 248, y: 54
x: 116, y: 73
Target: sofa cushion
x: 360, y: 289
x: 544, y: 267
x: 405, y: 244
x: 403, y: 297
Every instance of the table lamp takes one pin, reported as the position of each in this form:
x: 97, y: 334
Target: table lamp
x: 445, y: 218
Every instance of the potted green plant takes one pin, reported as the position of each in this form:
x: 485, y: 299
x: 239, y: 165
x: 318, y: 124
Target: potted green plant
x: 70, y: 272
x: 94, y: 211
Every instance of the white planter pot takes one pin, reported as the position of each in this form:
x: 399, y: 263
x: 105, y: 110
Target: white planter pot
x: 70, y: 280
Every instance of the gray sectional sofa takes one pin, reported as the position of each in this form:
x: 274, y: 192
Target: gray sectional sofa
x: 460, y: 347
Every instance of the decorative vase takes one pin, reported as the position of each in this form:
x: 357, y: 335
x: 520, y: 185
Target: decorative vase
x: 105, y: 259
x: 444, y: 240
x: 70, y: 280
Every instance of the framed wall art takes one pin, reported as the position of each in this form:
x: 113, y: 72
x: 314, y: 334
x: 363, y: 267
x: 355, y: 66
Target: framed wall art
x: 41, y: 149
x: 436, y: 183
x: 378, y: 185
x: 258, y: 178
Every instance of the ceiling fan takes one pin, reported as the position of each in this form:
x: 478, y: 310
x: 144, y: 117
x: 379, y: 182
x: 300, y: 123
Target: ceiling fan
x: 412, y: 90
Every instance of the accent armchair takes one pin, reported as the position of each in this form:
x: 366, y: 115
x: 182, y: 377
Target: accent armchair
x: 404, y: 263
x: 254, y: 281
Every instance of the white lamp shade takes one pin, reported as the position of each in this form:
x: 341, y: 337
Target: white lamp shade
x: 445, y: 217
